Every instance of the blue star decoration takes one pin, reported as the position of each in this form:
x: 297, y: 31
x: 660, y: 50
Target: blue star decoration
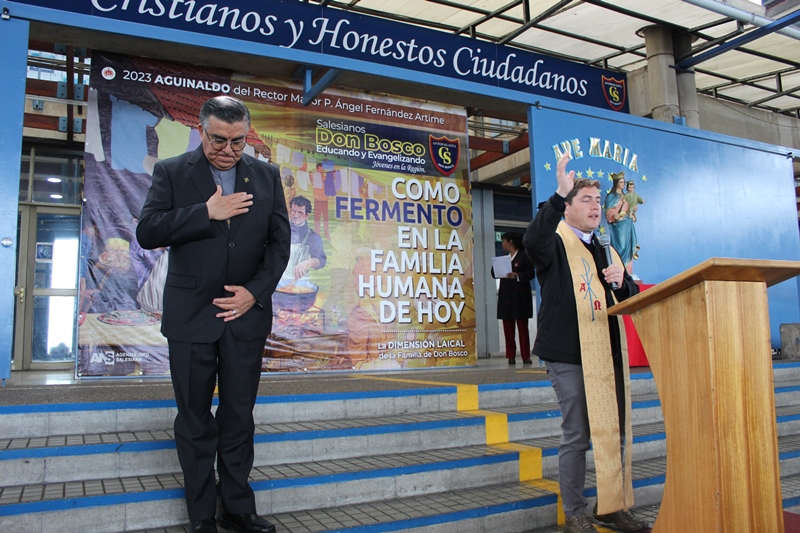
x: 547, y: 166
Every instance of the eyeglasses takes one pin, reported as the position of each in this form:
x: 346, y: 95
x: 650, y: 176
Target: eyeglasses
x: 217, y: 143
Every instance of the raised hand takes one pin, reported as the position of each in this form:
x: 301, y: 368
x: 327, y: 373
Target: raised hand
x: 565, y: 180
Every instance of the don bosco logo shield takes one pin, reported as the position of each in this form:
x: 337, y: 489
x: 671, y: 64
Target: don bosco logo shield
x: 444, y: 154
x: 614, y: 91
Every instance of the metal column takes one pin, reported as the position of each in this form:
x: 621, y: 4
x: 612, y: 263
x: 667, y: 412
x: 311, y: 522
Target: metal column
x: 486, y: 326
x: 13, y: 65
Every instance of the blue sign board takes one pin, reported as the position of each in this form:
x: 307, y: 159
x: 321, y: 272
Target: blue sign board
x: 305, y: 27
x: 688, y: 195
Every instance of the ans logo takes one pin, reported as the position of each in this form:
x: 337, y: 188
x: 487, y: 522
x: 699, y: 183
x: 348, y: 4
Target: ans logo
x: 108, y: 73
x: 444, y: 154
x: 108, y: 358
x: 614, y: 92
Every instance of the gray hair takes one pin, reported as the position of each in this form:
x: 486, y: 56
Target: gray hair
x: 226, y: 109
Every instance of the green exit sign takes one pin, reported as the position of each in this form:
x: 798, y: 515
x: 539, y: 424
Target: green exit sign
x: 498, y: 236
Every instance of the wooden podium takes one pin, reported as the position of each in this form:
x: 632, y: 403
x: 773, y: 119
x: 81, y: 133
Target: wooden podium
x: 706, y: 334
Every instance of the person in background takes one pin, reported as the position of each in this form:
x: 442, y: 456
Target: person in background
x: 224, y: 217
x: 514, y: 301
x: 584, y: 351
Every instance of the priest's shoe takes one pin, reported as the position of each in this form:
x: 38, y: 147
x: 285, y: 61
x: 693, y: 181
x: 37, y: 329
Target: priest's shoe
x: 209, y: 525
x: 246, y: 523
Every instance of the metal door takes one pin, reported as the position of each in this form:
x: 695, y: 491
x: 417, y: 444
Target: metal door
x: 48, y: 268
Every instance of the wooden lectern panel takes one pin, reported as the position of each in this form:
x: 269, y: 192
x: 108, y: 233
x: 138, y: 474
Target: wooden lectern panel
x: 714, y: 269
x: 706, y: 335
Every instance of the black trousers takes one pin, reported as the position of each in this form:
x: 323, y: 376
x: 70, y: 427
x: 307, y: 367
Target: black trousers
x: 227, y: 436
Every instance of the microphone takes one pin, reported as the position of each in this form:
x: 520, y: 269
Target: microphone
x: 605, y: 242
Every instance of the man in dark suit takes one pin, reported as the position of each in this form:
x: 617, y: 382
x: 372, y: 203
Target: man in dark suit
x: 224, y: 217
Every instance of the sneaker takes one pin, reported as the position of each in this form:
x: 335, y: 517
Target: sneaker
x: 579, y: 524
x: 623, y: 520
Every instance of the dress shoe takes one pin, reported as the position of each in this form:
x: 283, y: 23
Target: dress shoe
x: 246, y: 523
x: 204, y: 526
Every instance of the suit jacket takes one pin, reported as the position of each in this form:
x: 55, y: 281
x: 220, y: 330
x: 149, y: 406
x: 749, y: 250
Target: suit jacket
x: 207, y: 254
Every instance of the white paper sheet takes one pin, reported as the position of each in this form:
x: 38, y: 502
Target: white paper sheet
x: 501, y: 266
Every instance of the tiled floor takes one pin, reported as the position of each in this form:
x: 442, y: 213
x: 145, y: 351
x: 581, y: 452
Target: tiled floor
x: 292, y: 523
x: 648, y: 514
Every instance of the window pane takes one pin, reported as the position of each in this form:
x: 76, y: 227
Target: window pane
x: 24, y: 173
x: 53, y: 329
x: 57, y: 178
x: 513, y: 207
x: 57, y: 243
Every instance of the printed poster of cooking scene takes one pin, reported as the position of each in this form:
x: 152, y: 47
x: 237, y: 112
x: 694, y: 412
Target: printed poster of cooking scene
x: 381, y: 271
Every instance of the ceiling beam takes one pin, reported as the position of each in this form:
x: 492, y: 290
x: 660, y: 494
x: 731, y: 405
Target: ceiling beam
x: 547, y: 13
x: 781, y: 92
x: 514, y: 146
x: 488, y: 16
x: 788, y: 20
x: 487, y: 113
x: 311, y: 90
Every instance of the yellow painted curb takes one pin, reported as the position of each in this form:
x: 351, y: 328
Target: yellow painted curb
x: 467, y: 398
x: 467, y: 402
x: 530, y: 460
x: 552, y: 486
x: 496, y: 425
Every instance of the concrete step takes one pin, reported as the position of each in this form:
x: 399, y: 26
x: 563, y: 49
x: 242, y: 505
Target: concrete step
x: 129, y: 454
x: 787, y: 393
x: 790, y: 486
x: 288, y: 488
x: 312, y: 466
x: 44, y: 420
x: 506, y: 505
x: 786, y: 370
x: 280, y: 488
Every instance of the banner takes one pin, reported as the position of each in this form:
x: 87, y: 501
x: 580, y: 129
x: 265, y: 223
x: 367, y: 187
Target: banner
x: 380, y: 274
x: 291, y: 25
